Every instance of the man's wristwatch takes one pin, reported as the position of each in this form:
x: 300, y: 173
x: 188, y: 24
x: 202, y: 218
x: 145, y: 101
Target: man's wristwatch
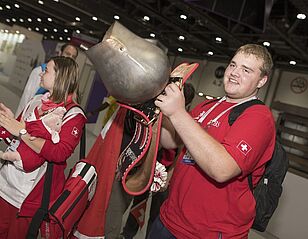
x: 22, y: 132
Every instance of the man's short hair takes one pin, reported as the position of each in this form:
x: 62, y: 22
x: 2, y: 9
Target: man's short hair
x: 65, y: 45
x: 259, y: 52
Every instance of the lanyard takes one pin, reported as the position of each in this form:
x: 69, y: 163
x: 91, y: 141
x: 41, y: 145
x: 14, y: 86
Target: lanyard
x: 222, y: 113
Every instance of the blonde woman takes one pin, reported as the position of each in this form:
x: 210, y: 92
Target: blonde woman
x: 22, y: 178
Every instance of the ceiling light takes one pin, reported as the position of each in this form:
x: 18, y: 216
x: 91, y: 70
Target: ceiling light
x: 17, y: 32
x: 16, y: 5
x: 29, y: 29
x: 7, y: 20
x: 29, y: 19
x: 21, y: 20
x: 52, y: 37
x: 266, y: 43
x: 13, y: 20
x: 181, y: 38
x: 152, y: 34
x: 116, y: 17
x: 77, y: 19
x: 201, y: 94
x: 37, y: 29
x: 56, y: 0
x: 208, y: 97
x: 77, y: 31
x: 146, y: 18
x: 49, y: 19
x: 55, y: 30
x: 21, y: 37
x: 8, y: 6
x: 301, y: 16
x: 182, y: 16
x: 38, y: 19
x: 60, y: 38
x: 210, y: 53
x: 292, y: 63
x: 180, y: 49
x: 45, y: 30
x: 1, y: 8
x: 6, y: 31
x: 65, y: 30
x: 68, y: 38
x: 94, y: 18
x: 40, y: 2
x: 91, y: 32
x: 218, y: 39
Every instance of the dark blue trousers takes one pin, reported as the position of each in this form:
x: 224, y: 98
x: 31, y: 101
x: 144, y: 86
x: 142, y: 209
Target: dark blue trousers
x: 158, y: 230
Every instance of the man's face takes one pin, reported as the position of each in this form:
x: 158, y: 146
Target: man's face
x: 242, y: 77
x: 70, y: 51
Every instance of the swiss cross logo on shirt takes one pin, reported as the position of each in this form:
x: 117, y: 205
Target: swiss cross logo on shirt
x: 75, y: 132
x: 244, y: 147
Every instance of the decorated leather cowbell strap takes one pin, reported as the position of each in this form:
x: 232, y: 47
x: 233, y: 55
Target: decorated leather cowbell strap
x: 136, y: 163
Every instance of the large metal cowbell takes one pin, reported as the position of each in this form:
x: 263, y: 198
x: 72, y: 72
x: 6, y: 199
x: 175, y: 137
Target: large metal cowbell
x: 132, y: 69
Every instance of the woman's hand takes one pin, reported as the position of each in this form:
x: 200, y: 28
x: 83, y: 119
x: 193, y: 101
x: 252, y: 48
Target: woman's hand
x: 9, y: 156
x: 5, y: 110
x: 8, y: 122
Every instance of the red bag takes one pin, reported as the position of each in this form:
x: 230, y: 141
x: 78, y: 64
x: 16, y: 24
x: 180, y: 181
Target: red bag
x: 72, y: 202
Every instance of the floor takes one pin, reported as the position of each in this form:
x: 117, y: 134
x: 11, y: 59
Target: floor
x: 10, y: 97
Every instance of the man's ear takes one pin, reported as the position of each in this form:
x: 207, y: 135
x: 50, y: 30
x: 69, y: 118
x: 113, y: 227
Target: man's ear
x: 262, y: 81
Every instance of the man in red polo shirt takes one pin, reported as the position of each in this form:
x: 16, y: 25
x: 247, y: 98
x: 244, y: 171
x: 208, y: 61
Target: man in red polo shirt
x: 209, y: 194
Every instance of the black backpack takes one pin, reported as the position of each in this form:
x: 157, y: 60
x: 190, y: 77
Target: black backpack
x: 268, y: 190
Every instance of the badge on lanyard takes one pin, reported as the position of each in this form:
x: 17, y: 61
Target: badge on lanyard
x: 13, y: 146
x: 187, y: 159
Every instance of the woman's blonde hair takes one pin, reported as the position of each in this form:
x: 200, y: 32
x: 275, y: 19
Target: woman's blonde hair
x: 66, y: 81
x: 259, y: 52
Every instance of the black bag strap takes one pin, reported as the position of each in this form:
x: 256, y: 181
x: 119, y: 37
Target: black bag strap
x: 250, y: 182
x: 42, y: 212
x: 82, y: 152
x: 83, y: 143
x: 238, y: 110
x: 234, y: 114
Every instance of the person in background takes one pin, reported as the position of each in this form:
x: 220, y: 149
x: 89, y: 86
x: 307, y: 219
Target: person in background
x: 32, y: 86
x: 165, y: 157
x: 108, y: 103
x: 209, y: 194
x: 22, y: 179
